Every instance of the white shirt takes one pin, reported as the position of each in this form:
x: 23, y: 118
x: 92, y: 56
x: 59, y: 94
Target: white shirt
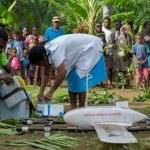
x: 82, y: 51
x: 120, y: 40
x: 109, y: 37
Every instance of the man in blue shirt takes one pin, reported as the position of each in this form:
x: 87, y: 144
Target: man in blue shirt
x: 54, y: 31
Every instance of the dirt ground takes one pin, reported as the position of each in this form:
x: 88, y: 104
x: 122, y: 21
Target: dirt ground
x: 126, y: 93
x: 87, y: 141
x: 130, y: 94
x: 90, y: 141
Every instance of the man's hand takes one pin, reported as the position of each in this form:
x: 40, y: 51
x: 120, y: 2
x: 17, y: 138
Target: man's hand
x: 140, y: 62
x: 144, y: 61
x: 48, y: 96
x: 6, y: 78
x: 40, y: 96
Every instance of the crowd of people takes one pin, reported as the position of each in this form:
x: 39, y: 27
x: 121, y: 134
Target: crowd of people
x: 115, y: 36
x: 19, y: 44
x: 122, y: 44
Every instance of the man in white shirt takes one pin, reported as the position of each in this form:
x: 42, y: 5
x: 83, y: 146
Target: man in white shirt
x: 120, y: 59
x: 110, y: 43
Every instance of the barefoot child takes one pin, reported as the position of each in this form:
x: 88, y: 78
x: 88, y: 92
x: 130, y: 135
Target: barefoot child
x: 140, y: 51
x: 14, y: 61
x: 25, y: 65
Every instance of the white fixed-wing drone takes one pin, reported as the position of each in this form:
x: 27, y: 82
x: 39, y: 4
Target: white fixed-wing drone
x: 110, y: 122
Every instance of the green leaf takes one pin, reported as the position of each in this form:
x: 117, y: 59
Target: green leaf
x: 54, y: 142
x: 123, y: 16
x: 12, y: 6
x: 5, y: 125
x: 7, y: 132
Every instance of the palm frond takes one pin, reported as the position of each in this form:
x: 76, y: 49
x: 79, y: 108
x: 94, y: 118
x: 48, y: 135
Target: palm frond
x: 123, y: 16
x: 7, y: 132
x: 12, y: 6
x: 54, y: 142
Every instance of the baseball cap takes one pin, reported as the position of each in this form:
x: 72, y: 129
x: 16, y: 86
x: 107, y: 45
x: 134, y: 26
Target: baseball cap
x: 56, y: 19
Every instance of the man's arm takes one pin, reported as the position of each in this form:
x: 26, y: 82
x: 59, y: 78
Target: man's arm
x: 46, y: 71
x: 5, y: 63
x: 8, y: 68
x: 5, y: 77
x: 60, y: 76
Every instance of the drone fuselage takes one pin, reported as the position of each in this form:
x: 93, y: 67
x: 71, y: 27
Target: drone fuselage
x: 88, y: 116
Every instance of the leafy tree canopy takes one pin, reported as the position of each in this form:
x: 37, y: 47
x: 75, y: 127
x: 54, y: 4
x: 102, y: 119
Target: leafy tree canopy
x: 74, y: 13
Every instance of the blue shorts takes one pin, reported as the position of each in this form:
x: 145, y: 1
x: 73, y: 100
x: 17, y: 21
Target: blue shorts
x: 149, y: 61
x: 98, y: 74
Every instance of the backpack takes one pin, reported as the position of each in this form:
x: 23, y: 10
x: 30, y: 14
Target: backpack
x: 15, y: 63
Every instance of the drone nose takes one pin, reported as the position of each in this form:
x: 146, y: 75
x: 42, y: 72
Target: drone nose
x: 67, y: 118
x: 139, y: 117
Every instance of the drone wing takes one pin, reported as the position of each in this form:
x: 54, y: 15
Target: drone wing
x: 114, y: 134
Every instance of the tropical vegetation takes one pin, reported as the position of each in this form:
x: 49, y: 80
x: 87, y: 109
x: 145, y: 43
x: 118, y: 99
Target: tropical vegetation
x: 74, y: 13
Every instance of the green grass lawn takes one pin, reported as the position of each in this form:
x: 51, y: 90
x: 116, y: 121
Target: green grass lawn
x: 33, y: 90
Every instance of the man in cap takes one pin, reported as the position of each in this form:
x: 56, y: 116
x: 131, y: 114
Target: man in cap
x: 54, y: 31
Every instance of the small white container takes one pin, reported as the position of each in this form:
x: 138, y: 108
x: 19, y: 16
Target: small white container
x: 122, y: 104
x: 47, y: 130
x: 50, y: 109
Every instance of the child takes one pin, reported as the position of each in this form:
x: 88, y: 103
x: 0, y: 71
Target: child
x: 17, y: 43
x: 14, y: 61
x: 25, y: 65
x: 30, y: 41
x: 140, y: 51
x: 33, y: 39
x: 8, y: 45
